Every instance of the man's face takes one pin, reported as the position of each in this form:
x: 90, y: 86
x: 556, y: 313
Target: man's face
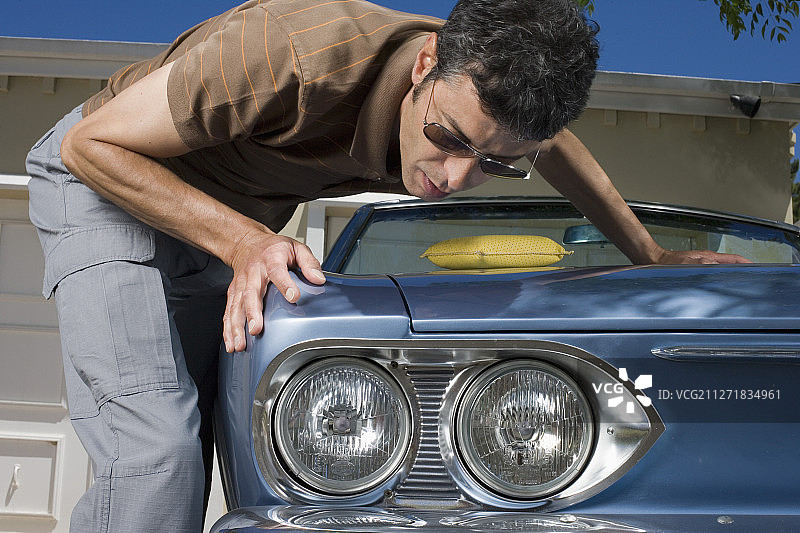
x: 428, y: 172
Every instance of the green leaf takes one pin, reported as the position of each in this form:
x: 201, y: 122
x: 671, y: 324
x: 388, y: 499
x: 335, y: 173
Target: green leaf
x: 749, y: 15
x: 586, y: 5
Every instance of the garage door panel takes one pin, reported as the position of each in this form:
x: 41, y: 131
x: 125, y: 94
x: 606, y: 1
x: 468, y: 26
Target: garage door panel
x: 32, y: 369
x: 21, y: 260
x: 29, y: 476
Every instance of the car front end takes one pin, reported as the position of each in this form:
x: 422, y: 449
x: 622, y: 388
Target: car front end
x: 601, y: 398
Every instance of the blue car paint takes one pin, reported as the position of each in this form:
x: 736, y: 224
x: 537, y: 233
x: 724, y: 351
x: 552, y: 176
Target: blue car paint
x: 689, y: 470
x: 715, y: 458
x: 667, y: 298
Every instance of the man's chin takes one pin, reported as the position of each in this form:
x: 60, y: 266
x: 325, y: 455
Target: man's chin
x: 437, y: 198
x: 432, y: 197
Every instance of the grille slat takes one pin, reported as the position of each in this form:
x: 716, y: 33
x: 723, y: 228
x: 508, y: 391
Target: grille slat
x: 428, y: 477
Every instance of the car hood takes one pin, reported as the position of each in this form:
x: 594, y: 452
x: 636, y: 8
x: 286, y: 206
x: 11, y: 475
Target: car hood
x: 632, y: 298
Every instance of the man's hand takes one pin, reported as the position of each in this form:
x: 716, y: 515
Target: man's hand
x: 260, y: 258
x: 701, y: 257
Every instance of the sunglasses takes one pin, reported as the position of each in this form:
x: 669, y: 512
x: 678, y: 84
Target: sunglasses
x: 449, y: 143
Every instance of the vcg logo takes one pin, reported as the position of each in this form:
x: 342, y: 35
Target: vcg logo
x: 645, y: 381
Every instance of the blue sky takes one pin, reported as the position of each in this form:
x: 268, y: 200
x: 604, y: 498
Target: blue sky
x: 676, y: 37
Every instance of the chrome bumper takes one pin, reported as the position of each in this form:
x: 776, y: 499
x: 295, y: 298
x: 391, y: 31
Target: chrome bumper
x: 377, y: 520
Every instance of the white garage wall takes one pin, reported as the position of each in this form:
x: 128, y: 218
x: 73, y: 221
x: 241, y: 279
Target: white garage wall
x: 43, y: 467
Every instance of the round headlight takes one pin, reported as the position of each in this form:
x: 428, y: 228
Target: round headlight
x: 524, y: 429
x: 342, y: 425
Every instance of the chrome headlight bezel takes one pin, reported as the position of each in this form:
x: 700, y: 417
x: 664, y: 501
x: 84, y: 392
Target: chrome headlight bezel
x: 466, y: 446
x: 280, y: 477
x: 298, y: 384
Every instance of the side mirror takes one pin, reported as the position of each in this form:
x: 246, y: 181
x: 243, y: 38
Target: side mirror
x: 586, y: 234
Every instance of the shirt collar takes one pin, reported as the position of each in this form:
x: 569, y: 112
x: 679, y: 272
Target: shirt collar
x: 379, y: 111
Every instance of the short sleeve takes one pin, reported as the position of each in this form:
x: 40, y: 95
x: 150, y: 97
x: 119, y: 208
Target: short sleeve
x: 241, y: 80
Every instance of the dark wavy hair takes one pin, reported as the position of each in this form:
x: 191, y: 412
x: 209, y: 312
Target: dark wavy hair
x: 532, y: 61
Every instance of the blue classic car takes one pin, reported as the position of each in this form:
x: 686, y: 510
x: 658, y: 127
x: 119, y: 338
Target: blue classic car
x: 483, y: 365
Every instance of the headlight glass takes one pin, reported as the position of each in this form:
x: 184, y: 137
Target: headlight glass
x: 342, y: 425
x: 524, y: 429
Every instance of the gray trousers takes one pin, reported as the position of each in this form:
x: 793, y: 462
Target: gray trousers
x: 140, y: 317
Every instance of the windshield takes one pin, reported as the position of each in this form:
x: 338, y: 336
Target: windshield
x: 393, y: 239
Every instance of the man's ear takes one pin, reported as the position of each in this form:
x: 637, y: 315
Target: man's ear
x: 426, y: 59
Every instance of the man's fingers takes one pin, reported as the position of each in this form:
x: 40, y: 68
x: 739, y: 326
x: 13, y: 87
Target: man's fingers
x: 714, y: 258
x: 309, y: 265
x: 261, y: 263
x: 279, y: 276
x: 233, y: 320
x: 243, y: 306
x: 254, y: 301
x: 733, y: 258
x: 704, y: 257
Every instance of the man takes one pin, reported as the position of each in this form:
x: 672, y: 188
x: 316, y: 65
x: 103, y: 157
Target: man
x: 169, y: 186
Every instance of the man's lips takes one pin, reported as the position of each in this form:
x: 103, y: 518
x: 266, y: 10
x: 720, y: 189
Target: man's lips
x: 431, y: 189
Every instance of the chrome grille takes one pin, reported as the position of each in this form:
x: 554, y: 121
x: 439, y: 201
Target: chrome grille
x: 428, y: 478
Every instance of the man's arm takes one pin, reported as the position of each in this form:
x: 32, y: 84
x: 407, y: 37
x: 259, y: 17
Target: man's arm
x: 569, y: 167
x: 110, y: 151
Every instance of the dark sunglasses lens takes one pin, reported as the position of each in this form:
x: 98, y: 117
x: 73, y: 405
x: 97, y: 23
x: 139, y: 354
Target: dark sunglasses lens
x: 499, y: 170
x: 446, y: 141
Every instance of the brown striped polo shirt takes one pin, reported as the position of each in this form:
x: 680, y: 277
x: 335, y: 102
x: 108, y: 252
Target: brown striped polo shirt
x: 283, y: 101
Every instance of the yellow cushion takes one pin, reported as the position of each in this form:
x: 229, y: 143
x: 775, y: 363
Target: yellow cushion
x: 495, y: 251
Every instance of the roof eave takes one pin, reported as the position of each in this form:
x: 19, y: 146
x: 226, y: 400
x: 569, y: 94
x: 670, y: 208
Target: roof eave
x: 620, y: 91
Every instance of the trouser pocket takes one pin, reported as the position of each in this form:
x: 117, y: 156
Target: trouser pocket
x: 115, y: 331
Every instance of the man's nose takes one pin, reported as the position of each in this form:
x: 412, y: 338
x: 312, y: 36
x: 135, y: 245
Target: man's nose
x: 461, y: 172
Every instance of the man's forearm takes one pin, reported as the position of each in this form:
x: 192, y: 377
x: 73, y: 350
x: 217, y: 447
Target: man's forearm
x: 572, y: 170
x: 156, y: 196
x: 112, y: 151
